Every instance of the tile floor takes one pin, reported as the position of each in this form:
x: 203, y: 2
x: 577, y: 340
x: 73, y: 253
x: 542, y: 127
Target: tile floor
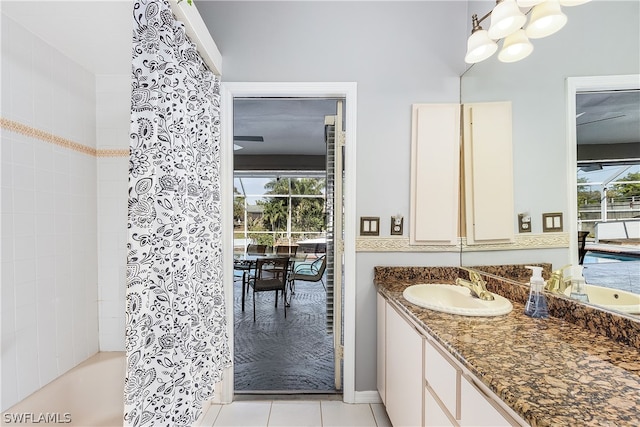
x: 298, y: 413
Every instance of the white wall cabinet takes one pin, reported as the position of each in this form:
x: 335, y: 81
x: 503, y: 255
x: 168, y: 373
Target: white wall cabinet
x: 424, y: 385
x: 488, y: 172
x: 435, y: 174
x: 484, y: 181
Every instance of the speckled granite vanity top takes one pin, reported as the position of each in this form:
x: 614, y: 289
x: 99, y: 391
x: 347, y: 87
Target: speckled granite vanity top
x: 551, y: 372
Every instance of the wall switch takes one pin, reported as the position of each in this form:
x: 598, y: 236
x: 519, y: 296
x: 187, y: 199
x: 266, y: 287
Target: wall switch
x: 524, y: 223
x: 552, y: 222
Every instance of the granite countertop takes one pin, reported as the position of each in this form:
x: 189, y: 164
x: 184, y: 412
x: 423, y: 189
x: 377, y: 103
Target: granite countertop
x: 549, y: 371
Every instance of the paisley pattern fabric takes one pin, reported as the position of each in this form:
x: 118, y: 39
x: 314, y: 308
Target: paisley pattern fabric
x: 176, y: 341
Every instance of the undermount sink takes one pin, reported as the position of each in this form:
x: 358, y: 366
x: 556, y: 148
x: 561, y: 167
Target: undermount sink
x: 613, y: 299
x: 455, y: 300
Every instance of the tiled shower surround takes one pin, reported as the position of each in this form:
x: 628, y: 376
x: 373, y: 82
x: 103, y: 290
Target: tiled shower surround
x: 64, y: 158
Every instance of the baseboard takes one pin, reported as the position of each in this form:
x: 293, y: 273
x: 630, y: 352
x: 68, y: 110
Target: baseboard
x: 370, y: 396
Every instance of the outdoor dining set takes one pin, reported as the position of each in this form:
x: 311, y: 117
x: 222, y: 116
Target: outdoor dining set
x: 277, y: 272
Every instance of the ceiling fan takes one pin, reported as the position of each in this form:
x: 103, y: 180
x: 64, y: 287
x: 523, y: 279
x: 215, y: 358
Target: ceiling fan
x: 238, y: 139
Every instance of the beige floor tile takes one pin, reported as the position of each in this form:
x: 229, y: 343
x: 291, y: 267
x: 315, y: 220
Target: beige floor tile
x: 380, y: 414
x: 243, y: 414
x: 209, y: 417
x: 340, y: 414
x: 295, y: 413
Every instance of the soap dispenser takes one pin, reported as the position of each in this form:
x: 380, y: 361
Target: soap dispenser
x: 536, y: 303
x: 578, y: 284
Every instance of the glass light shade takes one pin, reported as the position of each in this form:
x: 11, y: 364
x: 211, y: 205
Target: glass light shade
x: 530, y: 3
x: 479, y: 47
x: 515, y: 47
x: 573, y: 2
x: 506, y: 18
x: 546, y: 19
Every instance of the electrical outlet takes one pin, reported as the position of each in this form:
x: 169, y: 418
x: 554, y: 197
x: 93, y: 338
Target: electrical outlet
x: 524, y: 223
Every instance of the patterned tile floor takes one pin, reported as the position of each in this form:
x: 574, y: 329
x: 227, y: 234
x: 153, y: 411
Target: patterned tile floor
x: 283, y: 355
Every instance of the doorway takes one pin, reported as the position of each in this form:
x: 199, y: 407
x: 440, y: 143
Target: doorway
x: 603, y: 166
x: 235, y: 91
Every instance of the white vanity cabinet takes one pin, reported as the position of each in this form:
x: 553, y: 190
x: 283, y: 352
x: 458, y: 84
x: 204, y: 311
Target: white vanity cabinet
x: 421, y: 384
x: 484, y: 182
x: 403, y: 360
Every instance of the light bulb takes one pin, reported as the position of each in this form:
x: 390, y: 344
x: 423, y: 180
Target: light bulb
x: 546, y: 19
x: 515, y: 47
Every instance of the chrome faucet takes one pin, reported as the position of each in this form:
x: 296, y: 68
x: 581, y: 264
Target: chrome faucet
x: 557, y: 282
x: 476, y: 285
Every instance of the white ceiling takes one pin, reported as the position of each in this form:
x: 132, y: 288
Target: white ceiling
x: 97, y: 35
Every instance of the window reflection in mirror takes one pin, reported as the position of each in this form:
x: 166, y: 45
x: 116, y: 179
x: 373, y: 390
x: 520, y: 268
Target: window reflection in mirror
x: 544, y: 118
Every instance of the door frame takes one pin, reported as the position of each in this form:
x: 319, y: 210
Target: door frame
x: 574, y: 86
x: 348, y: 91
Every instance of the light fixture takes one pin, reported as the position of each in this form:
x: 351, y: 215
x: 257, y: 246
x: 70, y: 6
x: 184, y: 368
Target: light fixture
x: 570, y: 3
x: 506, y: 18
x: 479, y: 45
x: 515, y: 47
x: 529, y: 3
x: 546, y: 18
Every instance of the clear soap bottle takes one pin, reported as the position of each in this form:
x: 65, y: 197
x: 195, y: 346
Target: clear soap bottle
x: 578, y: 284
x: 536, y: 303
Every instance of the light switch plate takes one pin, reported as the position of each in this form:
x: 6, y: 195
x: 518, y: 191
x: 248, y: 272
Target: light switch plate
x: 369, y: 226
x: 552, y: 222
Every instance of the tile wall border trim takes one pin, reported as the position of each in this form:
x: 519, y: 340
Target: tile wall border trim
x: 401, y: 244
x: 31, y: 132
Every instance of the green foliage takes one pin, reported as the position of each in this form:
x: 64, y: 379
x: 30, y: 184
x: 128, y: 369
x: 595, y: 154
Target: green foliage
x: 307, y: 213
x: 626, y: 190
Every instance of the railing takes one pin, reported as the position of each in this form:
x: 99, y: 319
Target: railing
x: 628, y: 229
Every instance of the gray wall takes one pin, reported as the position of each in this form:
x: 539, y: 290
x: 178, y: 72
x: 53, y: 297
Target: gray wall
x: 601, y: 38
x: 401, y: 53
x: 398, y: 53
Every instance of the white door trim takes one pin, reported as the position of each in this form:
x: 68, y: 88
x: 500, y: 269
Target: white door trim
x: 347, y: 90
x: 575, y: 85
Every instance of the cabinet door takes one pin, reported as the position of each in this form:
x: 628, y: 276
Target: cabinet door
x: 380, y: 346
x: 476, y: 409
x: 434, y: 415
x: 443, y: 378
x: 488, y: 171
x: 404, y: 384
x: 435, y: 174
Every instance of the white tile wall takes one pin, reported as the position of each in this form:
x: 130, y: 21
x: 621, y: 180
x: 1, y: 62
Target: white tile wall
x: 113, y: 100
x: 49, y: 216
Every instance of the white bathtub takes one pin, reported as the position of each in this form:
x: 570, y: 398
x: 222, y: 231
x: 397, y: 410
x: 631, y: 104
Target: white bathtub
x: 613, y: 299
x: 91, y: 394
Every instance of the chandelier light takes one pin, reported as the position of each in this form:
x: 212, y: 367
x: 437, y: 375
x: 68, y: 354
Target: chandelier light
x: 546, y: 18
x: 479, y: 45
x: 515, y: 47
x: 508, y: 24
x: 506, y: 18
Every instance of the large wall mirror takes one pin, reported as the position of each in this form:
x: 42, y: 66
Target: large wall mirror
x: 593, y: 62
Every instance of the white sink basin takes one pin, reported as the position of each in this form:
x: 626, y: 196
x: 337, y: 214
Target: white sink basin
x: 613, y: 299
x: 455, y: 300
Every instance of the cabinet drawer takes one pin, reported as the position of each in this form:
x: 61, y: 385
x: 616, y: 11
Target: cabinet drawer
x: 443, y: 378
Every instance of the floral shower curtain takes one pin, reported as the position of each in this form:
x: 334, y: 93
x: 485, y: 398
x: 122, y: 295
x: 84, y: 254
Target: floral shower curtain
x: 176, y: 341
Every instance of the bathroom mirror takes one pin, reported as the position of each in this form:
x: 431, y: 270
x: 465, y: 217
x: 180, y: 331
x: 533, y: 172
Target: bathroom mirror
x: 544, y: 119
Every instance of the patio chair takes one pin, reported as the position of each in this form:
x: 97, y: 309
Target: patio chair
x: 309, y: 272
x: 270, y: 275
